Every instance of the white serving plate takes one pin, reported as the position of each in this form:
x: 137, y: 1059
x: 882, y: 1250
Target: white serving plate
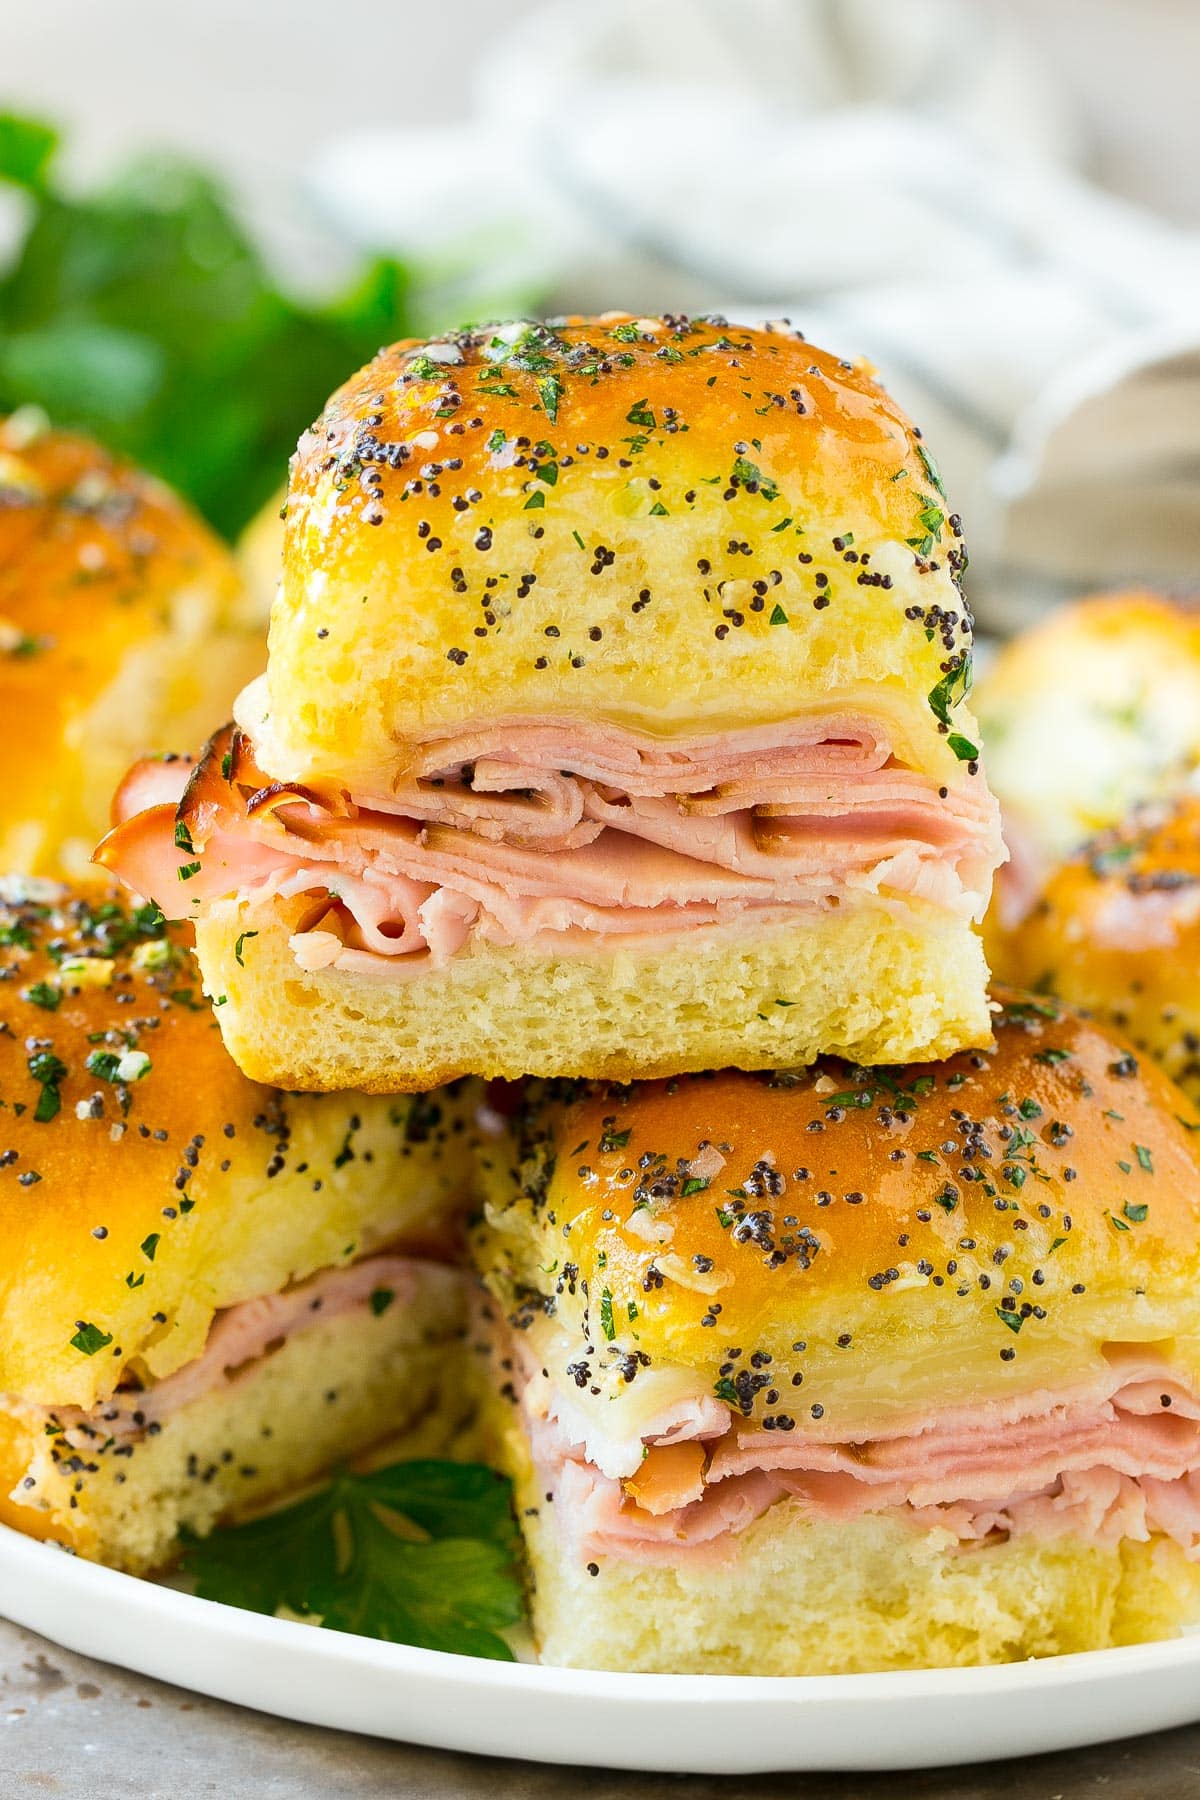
x: 709, y: 1724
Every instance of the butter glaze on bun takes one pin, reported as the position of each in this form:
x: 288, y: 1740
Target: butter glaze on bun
x: 123, y: 629
x: 156, y: 1205
x: 614, y: 724
x: 857, y: 1368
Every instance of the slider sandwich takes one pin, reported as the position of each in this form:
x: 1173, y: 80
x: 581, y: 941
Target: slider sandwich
x: 210, y: 1290
x: 123, y: 628
x: 1117, y: 929
x: 614, y: 724
x: 855, y: 1369
x: 1091, y: 713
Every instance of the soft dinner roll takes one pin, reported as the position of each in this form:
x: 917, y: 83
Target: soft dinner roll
x: 614, y: 724
x: 123, y: 628
x: 1091, y: 712
x: 209, y: 1290
x: 857, y: 1369
x: 1117, y: 929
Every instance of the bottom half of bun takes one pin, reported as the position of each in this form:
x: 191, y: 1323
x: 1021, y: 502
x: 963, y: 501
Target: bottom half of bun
x: 877, y: 983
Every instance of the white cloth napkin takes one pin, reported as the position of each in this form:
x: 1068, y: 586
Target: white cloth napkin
x: 899, y: 181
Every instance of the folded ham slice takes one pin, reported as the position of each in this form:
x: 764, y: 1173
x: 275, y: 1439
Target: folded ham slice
x: 1116, y: 1457
x: 526, y: 827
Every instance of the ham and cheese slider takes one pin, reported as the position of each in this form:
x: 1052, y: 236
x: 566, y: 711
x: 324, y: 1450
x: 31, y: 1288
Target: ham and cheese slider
x: 858, y: 1369
x: 209, y: 1290
x: 123, y: 628
x: 1084, y: 717
x: 1117, y: 930
x: 613, y: 725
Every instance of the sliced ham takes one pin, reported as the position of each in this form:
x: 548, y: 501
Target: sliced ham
x: 1117, y: 1457
x: 530, y: 828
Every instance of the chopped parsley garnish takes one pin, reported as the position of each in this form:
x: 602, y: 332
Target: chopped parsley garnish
x: 419, y: 1553
x: 606, y: 1315
x: 49, y: 1069
x: 750, y: 476
x: 150, y: 1246
x: 1145, y: 1161
x: 614, y: 1140
x: 381, y: 1299
x: 962, y: 747
x: 1135, y: 1212
x: 44, y: 994
x: 954, y: 686
x: 1008, y: 1317
x: 103, y: 1064
x: 695, y: 1184
x: 550, y: 389
x: 778, y: 616
x: 183, y: 838
x: 89, y: 1339
x: 185, y: 871
x: 725, y: 1390
x: 237, y: 948
x: 641, y: 413
x: 930, y: 468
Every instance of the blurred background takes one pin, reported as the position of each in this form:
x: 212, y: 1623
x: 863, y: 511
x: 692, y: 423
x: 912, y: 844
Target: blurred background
x: 996, y: 201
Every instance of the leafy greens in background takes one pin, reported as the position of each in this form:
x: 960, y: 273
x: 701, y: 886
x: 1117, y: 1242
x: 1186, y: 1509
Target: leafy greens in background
x: 417, y: 1553
x: 143, y: 314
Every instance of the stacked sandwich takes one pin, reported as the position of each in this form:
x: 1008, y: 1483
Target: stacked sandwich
x: 614, y: 738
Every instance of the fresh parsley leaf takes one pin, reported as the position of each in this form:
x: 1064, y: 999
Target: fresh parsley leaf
x: 419, y: 1553
x: 27, y: 147
x: 130, y: 306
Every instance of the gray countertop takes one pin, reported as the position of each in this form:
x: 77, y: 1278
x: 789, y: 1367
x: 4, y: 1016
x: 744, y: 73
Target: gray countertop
x: 82, y: 1731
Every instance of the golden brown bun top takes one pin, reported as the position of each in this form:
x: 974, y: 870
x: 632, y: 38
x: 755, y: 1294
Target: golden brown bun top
x: 991, y: 1220
x: 96, y: 558
x: 670, y: 524
x: 1117, y: 928
x: 1091, y: 712
x: 144, y: 1181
